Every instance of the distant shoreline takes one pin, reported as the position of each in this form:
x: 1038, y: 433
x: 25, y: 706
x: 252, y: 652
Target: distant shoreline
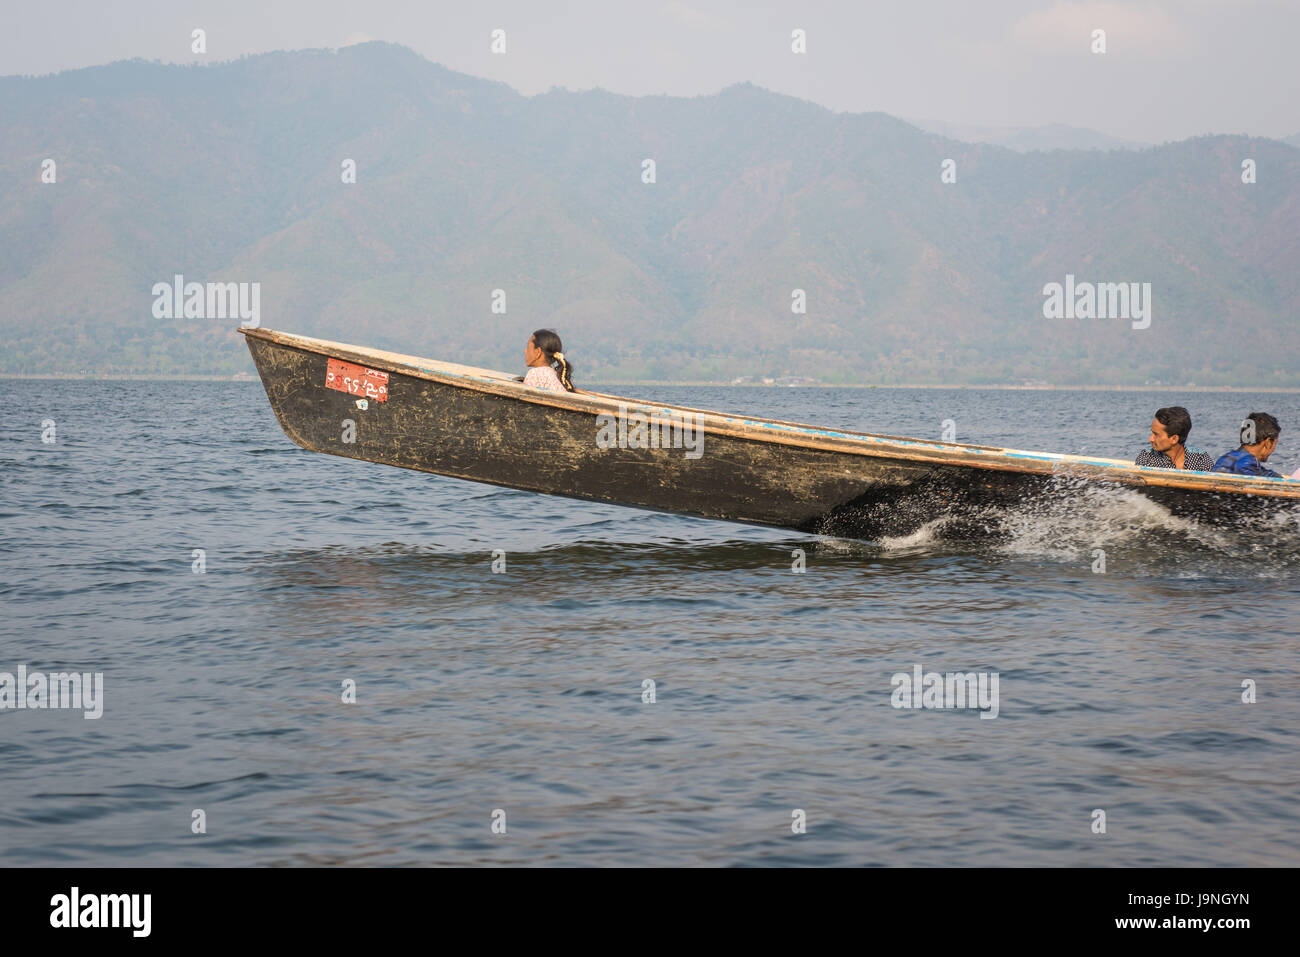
x: 602, y: 386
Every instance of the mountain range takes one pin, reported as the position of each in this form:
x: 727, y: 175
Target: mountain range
x: 235, y: 172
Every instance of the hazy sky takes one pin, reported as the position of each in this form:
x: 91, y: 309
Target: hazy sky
x: 1173, y: 68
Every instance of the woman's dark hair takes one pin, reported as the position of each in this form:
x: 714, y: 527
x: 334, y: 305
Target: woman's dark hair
x: 549, y: 342
x: 1176, y: 420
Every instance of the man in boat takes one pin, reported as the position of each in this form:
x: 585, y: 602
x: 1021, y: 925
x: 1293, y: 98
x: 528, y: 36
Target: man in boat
x: 1168, y: 438
x: 1259, y: 435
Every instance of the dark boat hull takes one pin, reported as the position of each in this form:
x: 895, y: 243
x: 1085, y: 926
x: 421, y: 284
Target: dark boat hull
x: 493, y: 431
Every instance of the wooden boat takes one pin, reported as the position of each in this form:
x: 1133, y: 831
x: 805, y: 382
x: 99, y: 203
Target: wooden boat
x: 486, y: 426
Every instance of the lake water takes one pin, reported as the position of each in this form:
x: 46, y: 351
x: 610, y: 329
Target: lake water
x: 523, y: 691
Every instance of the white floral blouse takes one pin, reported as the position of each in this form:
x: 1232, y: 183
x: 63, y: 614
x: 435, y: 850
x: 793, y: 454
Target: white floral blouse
x: 544, y: 377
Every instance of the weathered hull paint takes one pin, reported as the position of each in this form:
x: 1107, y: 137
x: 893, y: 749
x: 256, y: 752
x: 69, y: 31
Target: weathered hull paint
x: 483, y: 426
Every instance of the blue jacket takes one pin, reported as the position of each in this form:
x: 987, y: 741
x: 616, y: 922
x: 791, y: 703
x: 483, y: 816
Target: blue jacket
x: 1241, y: 462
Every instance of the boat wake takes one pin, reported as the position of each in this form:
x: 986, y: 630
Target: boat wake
x: 1092, y: 518
x: 1083, y: 521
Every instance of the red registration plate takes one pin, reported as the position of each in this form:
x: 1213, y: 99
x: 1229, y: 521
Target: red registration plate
x: 356, y: 380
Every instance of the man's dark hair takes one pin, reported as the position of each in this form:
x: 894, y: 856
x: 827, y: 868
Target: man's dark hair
x: 1266, y: 427
x: 1176, y: 420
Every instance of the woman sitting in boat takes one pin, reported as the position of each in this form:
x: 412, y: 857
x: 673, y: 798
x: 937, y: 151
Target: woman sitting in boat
x: 543, y: 355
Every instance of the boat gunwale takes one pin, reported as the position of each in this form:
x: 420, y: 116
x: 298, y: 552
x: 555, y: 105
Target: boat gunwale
x: 868, y: 444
